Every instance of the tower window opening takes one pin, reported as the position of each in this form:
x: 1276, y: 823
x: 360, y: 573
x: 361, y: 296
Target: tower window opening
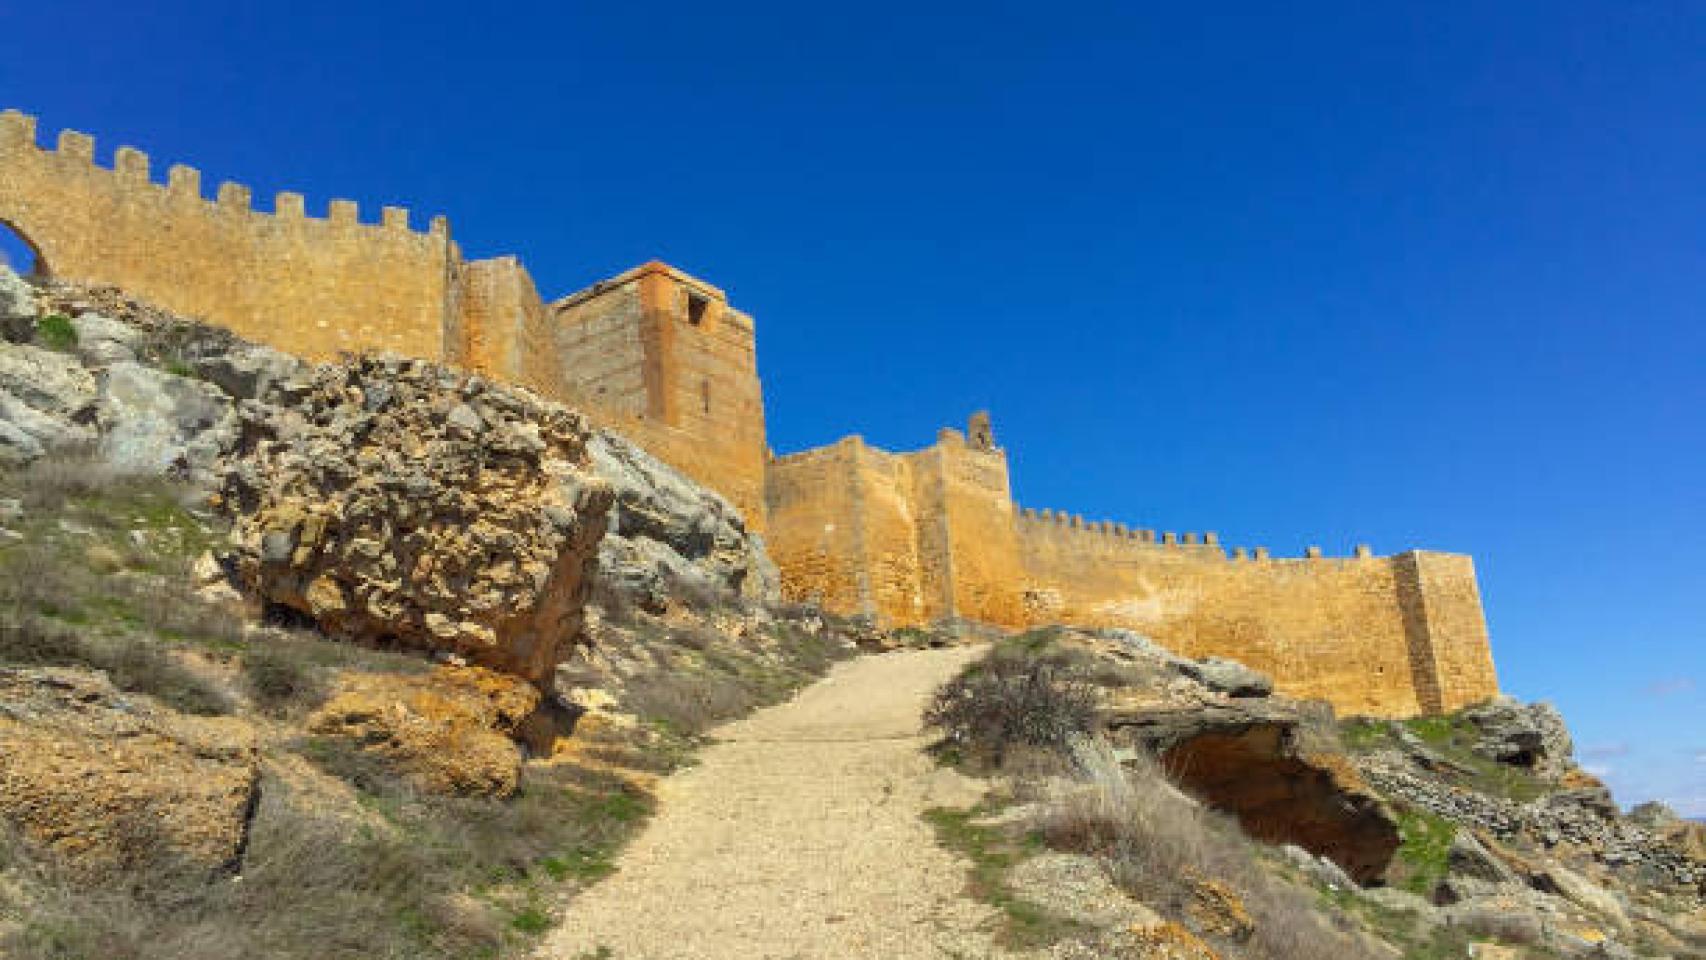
x: 696, y: 307
x: 705, y: 395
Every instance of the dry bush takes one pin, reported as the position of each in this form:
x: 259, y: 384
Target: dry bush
x: 1006, y: 702
x: 688, y: 704
x: 1155, y: 840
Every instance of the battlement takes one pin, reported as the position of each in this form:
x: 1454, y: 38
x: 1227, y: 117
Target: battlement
x: 314, y: 285
x: 75, y: 151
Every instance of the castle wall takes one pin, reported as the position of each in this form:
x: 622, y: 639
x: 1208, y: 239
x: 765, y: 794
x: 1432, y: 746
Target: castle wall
x: 817, y: 527
x: 499, y: 325
x: 908, y: 538
x: 918, y: 537
x: 312, y: 286
x: 1331, y: 629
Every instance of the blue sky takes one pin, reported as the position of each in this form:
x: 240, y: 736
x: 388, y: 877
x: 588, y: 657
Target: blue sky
x: 1426, y: 275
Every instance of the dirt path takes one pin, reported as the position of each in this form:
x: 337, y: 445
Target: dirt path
x: 798, y: 836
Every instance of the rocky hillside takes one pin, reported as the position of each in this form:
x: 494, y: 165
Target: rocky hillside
x: 365, y: 659
x: 379, y: 658
x: 1467, y: 835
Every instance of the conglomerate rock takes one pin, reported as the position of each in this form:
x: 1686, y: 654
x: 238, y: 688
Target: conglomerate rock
x: 400, y: 502
x: 102, y: 782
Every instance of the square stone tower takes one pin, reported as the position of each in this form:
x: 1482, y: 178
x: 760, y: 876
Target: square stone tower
x: 661, y: 354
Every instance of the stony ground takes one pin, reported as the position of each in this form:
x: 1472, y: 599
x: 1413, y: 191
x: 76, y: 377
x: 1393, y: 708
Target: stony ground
x: 799, y: 835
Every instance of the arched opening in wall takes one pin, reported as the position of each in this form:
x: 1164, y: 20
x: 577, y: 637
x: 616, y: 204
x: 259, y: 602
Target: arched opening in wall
x: 18, y: 254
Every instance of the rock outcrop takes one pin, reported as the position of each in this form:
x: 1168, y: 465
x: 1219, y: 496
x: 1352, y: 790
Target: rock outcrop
x: 395, y: 501
x: 103, y: 782
x: 392, y: 501
x: 47, y: 401
x: 1529, y: 735
x: 450, y: 732
x: 669, y: 535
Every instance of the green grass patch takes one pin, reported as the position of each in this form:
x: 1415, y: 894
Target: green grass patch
x: 1362, y: 734
x: 992, y: 852
x: 532, y: 921
x: 1424, y: 843
x: 56, y: 332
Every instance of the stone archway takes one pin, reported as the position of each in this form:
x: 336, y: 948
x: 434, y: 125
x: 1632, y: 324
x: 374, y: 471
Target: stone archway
x: 19, y: 253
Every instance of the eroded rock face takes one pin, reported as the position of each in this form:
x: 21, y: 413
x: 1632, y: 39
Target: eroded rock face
x: 1246, y: 755
x: 450, y: 732
x: 17, y: 307
x: 1281, y: 795
x: 46, y: 401
x: 397, y: 501
x: 102, y: 782
x: 154, y: 422
x: 667, y: 532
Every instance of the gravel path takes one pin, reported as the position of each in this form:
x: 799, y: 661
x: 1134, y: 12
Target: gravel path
x: 798, y: 836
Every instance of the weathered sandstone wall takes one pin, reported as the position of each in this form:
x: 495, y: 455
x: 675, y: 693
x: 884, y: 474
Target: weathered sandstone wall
x: 309, y: 285
x: 912, y: 538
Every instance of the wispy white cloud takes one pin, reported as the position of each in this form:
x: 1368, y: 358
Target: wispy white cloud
x: 1670, y: 686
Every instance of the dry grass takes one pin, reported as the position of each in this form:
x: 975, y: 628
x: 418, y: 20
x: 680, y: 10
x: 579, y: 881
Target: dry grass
x: 1155, y: 841
x: 688, y: 705
x: 442, y: 879
x: 282, y: 680
x: 133, y: 666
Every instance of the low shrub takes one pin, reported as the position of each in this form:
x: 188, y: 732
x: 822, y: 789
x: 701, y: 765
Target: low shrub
x: 1008, y: 701
x: 56, y: 332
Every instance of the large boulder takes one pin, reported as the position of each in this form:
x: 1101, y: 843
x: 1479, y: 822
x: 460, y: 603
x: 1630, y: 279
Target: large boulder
x: 450, y: 732
x: 397, y: 501
x: 101, y: 782
x: 1229, y: 677
x: 47, y: 401
x: 668, y: 534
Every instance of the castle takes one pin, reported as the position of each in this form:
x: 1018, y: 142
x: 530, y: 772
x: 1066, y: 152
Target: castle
x: 908, y: 538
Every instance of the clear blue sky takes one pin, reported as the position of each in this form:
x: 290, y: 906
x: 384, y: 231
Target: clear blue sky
x: 1304, y: 273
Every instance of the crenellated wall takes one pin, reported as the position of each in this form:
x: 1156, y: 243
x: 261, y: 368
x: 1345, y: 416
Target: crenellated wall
x: 909, y: 538
x: 916, y: 537
x: 310, y: 285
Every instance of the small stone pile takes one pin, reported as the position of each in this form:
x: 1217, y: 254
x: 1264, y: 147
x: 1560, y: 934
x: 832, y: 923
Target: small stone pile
x: 400, y: 502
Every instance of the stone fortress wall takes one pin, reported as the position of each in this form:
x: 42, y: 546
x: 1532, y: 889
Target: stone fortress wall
x: 908, y: 538
x: 913, y: 538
